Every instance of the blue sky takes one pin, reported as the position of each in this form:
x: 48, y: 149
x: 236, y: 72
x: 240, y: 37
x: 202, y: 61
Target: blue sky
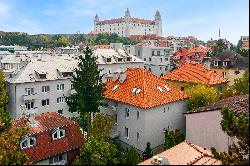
x: 200, y: 18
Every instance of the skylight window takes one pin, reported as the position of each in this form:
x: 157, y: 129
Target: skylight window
x: 115, y: 87
x: 136, y: 90
x: 159, y: 88
x: 166, y: 87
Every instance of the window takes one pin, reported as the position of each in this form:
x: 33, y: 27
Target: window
x: 126, y: 113
x: 60, y: 87
x: 116, y: 119
x: 158, y: 52
x: 67, y: 74
x: 145, y: 59
x: 215, y: 63
x: 149, y: 59
x: 29, y: 91
x: 119, y: 59
x: 138, y: 115
x: 45, y: 102
x: 29, y: 105
x: 56, y: 159
x: 126, y: 132
x: 71, y: 86
x: 160, y: 68
x: 60, y: 133
x: 45, y: 89
x: 224, y: 74
x: 137, y: 136
x: 139, y: 52
x: 28, y: 142
x: 166, y: 68
x: 161, y: 59
x: 166, y: 59
x: 60, y: 100
x: 149, y: 69
x: 129, y: 58
x: 108, y: 59
x: 60, y: 111
x: 42, y: 76
x: 220, y: 89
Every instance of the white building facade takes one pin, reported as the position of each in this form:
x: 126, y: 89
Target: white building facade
x: 126, y: 26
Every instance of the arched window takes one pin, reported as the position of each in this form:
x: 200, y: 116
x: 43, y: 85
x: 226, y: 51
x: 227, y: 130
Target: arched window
x: 57, y: 134
x: 28, y: 142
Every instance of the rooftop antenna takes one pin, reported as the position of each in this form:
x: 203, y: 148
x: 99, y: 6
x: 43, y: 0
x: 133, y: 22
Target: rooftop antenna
x: 219, y: 33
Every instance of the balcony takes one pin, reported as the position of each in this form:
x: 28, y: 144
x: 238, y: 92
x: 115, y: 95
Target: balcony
x: 72, y: 91
x: 30, y: 97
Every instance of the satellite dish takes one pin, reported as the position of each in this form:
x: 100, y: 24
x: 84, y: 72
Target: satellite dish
x: 165, y: 161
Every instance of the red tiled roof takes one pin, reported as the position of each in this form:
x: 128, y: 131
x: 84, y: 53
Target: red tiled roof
x: 112, y: 21
x: 141, y: 21
x: 46, y: 147
x: 149, y: 96
x: 102, y: 46
x: 196, y: 73
x: 186, y: 153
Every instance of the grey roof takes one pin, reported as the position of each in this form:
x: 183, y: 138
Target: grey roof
x: 237, y: 104
x: 235, y: 59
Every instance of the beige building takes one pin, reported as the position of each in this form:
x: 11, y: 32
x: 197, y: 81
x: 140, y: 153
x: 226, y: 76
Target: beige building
x: 127, y: 25
x: 203, y: 124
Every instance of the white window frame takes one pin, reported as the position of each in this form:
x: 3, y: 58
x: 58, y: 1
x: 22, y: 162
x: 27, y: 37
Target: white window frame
x: 28, y: 142
x: 126, y: 132
x: 58, y: 131
x: 60, y: 100
x: 55, y: 159
x: 46, y: 102
x: 29, y: 105
x: 45, y: 89
x: 60, y: 87
x: 29, y: 91
x: 215, y: 63
x: 127, y: 113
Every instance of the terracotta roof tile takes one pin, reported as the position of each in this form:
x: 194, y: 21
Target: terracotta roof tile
x: 186, y: 153
x: 149, y: 96
x: 195, y: 73
x: 46, y: 147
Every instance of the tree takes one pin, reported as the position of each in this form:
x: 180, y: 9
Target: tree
x: 173, y: 138
x: 133, y: 158
x: 87, y: 83
x: 235, y: 126
x: 200, y: 95
x: 240, y: 87
x: 97, y: 151
x: 220, y: 46
x: 9, y: 147
x: 148, y: 153
x: 102, y: 126
x: 3, y: 91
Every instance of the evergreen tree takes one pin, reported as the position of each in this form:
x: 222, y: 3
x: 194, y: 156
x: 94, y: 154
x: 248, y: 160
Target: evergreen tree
x: 173, y: 138
x: 148, y: 152
x: 235, y: 126
x: 133, y: 158
x: 87, y: 83
x: 3, y: 91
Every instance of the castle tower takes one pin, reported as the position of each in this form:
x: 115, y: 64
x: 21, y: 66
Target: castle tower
x: 127, y: 14
x: 127, y: 18
x: 96, y: 20
x: 158, y: 23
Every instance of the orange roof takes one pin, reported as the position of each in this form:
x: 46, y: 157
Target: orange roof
x: 150, y: 93
x: 102, y: 46
x: 186, y: 153
x: 195, y: 73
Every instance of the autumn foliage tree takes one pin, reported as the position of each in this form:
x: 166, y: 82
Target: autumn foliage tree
x: 236, y: 126
x: 200, y: 95
x: 9, y: 139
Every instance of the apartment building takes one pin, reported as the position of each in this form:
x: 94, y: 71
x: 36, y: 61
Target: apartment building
x: 39, y: 87
x: 175, y: 43
x: 112, y: 61
x: 143, y: 106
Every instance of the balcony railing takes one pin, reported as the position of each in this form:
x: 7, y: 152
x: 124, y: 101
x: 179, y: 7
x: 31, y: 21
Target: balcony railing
x: 30, y: 97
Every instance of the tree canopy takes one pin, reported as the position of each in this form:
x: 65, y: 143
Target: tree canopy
x: 200, y: 95
x: 173, y: 138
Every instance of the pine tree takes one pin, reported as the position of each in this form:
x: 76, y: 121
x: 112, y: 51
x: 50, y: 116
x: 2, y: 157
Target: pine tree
x: 148, y: 152
x: 87, y: 83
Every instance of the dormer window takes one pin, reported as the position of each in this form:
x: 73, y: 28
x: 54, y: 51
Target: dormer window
x: 119, y: 59
x: 108, y: 59
x: 215, y: 63
x: 225, y: 63
x: 57, y: 134
x: 129, y: 58
x: 42, y: 76
x: 28, y: 142
x: 67, y: 74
